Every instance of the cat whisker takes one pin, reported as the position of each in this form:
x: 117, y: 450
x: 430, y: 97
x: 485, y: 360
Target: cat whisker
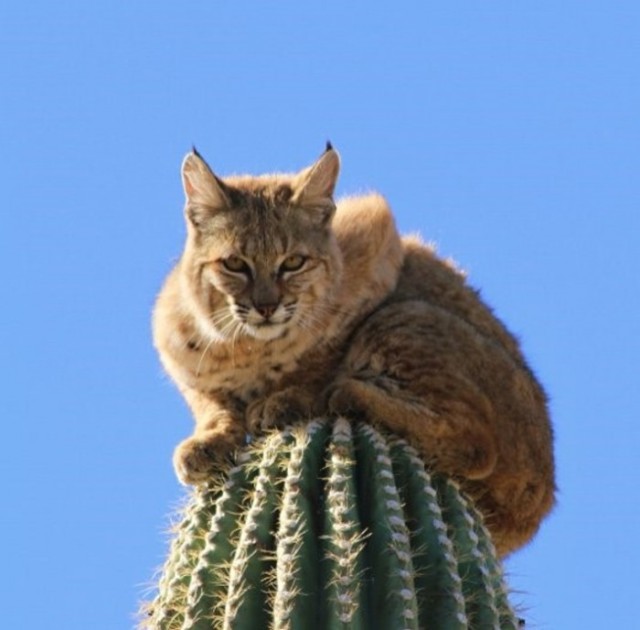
x: 318, y: 313
x: 219, y: 316
x: 216, y: 319
x: 229, y: 328
x: 202, y: 355
x: 310, y: 323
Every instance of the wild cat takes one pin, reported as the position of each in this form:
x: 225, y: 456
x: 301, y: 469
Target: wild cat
x: 286, y: 305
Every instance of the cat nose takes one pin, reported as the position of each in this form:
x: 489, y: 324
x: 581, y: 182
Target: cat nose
x: 266, y: 309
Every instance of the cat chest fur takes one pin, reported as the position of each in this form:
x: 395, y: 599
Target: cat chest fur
x: 245, y: 370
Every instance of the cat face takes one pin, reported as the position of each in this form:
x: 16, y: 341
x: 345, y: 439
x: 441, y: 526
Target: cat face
x: 261, y: 258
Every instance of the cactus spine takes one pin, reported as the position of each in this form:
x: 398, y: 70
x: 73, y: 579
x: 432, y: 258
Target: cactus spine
x: 330, y: 525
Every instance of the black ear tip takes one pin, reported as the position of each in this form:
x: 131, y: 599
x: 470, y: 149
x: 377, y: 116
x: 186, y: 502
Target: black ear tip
x: 329, y: 146
x: 197, y: 153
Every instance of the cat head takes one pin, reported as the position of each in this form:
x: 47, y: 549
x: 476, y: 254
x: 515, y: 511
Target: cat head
x: 261, y: 258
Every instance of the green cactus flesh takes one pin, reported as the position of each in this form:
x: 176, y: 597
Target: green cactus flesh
x: 330, y: 525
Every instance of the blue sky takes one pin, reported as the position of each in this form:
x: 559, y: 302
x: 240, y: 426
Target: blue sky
x: 507, y: 132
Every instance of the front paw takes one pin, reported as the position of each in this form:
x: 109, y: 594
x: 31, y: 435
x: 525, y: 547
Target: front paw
x: 199, y: 456
x: 278, y: 410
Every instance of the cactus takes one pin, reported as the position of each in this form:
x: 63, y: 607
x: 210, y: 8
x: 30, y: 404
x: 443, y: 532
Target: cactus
x: 330, y: 525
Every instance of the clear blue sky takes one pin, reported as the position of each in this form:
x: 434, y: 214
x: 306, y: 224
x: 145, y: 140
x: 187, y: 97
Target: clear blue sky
x: 508, y: 132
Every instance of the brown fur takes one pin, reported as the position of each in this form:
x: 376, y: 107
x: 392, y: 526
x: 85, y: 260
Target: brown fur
x: 368, y: 326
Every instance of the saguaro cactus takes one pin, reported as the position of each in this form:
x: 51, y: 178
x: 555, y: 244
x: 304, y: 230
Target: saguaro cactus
x: 330, y: 525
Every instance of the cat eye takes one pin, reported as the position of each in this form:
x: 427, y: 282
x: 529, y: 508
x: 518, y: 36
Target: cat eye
x: 293, y: 262
x: 235, y: 264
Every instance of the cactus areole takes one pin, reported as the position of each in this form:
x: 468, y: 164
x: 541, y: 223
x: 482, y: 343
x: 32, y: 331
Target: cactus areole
x: 330, y: 525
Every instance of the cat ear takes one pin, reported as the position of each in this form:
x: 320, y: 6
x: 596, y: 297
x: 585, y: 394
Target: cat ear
x: 314, y: 186
x: 205, y: 194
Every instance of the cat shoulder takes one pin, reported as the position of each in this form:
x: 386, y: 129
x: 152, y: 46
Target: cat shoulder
x: 371, y: 249
x: 366, y: 229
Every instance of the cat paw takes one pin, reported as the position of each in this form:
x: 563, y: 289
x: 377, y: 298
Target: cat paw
x: 198, y: 457
x: 276, y: 411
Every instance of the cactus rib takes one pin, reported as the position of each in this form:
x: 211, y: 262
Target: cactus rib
x: 344, y: 536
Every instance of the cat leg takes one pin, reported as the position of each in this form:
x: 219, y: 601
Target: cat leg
x: 414, y: 369
x: 218, y: 433
x: 451, y: 439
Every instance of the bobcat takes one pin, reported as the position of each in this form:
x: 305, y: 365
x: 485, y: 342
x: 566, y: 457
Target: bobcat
x: 286, y: 305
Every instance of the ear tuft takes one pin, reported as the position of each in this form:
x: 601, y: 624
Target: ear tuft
x: 204, y: 192
x: 315, y: 185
